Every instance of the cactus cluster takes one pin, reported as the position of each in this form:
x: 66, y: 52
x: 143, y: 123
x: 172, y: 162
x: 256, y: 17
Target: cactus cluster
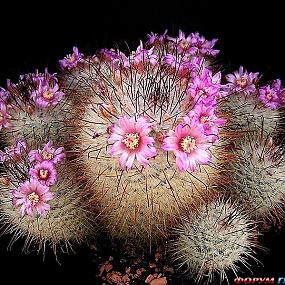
x: 147, y: 146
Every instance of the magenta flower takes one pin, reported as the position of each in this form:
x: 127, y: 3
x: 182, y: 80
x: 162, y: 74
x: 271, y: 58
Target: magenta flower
x: 185, y: 45
x: 189, y: 144
x: 242, y: 81
x: 31, y: 196
x: 4, y: 116
x: 183, y: 65
x: 46, y: 96
x: 15, y: 152
x: 48, y: 153
x: 4, y: 95
x: 109, y: 54
x: 205, y: 115
x: 44, y: 172
x: 121, y: 61
x: 132, y: 142
x: 269, y: 97
x: 34, y: 80
x: 144, y: 55
x: 276, y: 85
x: 204, y: 46
x: 155, y: 39
x: 71, y: 60
x: 205, y: 88
x: 194, y: 44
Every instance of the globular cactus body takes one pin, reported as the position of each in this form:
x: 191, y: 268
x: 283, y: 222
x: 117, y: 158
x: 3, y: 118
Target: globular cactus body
x: 258, y: 176
x: 216, y: 238
x: 42, y: 202
x: 141, y: 195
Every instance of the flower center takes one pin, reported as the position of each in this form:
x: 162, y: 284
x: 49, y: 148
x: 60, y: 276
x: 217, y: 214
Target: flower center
x: 1, y: 117
x: 49, y: 95
x: 183, y: 44
x: 188, y: 144
x: 34, y: 198
x: 71, y: 59
x: 46, y: 155
x: 204, y: 119
x: 44, y: 174
x: 269, y: 95
x: 131, y: 140
x: 242, y: 82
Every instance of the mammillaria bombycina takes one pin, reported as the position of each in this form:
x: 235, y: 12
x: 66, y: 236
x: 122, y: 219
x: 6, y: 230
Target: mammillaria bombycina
x: 139, y: 143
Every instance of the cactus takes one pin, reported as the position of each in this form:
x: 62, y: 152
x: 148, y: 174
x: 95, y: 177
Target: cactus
x: 251, y: 108
x: 151, y: 92
x: 216, y: 238
x: 258, y: 176
x: 38, y: 110
x: 42, y: 201
x: 150, y: 137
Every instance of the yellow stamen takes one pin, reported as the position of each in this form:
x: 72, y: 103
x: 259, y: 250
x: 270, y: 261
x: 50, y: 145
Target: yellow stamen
x: 46, y: 155
x: 49, y: 95
x: 204, y: 119
x: 131, y: 140
x: 188, y: 144
x: 34, y: 198
x: 1, y: 116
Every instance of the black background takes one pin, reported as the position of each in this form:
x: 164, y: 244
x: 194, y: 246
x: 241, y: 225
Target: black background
x: 36, y: 35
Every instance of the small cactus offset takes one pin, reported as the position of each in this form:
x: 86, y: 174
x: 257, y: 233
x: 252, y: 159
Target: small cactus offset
x: 149, y: 146
x: 215, y: 238
x: 258, y: 176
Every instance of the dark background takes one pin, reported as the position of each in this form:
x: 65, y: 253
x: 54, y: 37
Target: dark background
x: 38, y: 35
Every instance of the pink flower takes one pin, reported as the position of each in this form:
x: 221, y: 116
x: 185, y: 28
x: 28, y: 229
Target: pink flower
x: 32, y: 81
x: 183, y: 65
x: 204, y: 46
x: 185, y: 44
x: 121, y: 61
x: 48, y: 153
x: 131, y: 141
x: 14, y: 152
x: 242, y: 81
x: 269, y: 97
x: 189, y: 144
x: 46, y: 96
x: 44, y: 172
x: 71, y: 60
x: 144, y: 55
x: 276, y: 85
x: 4, y: 116
x: 205, y: 115
x: 4, y: 95
x: 109, y: 54
x: 31, y: 196
x: 205, y: 88
x: 194, y: 44
x: 154, y: 39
